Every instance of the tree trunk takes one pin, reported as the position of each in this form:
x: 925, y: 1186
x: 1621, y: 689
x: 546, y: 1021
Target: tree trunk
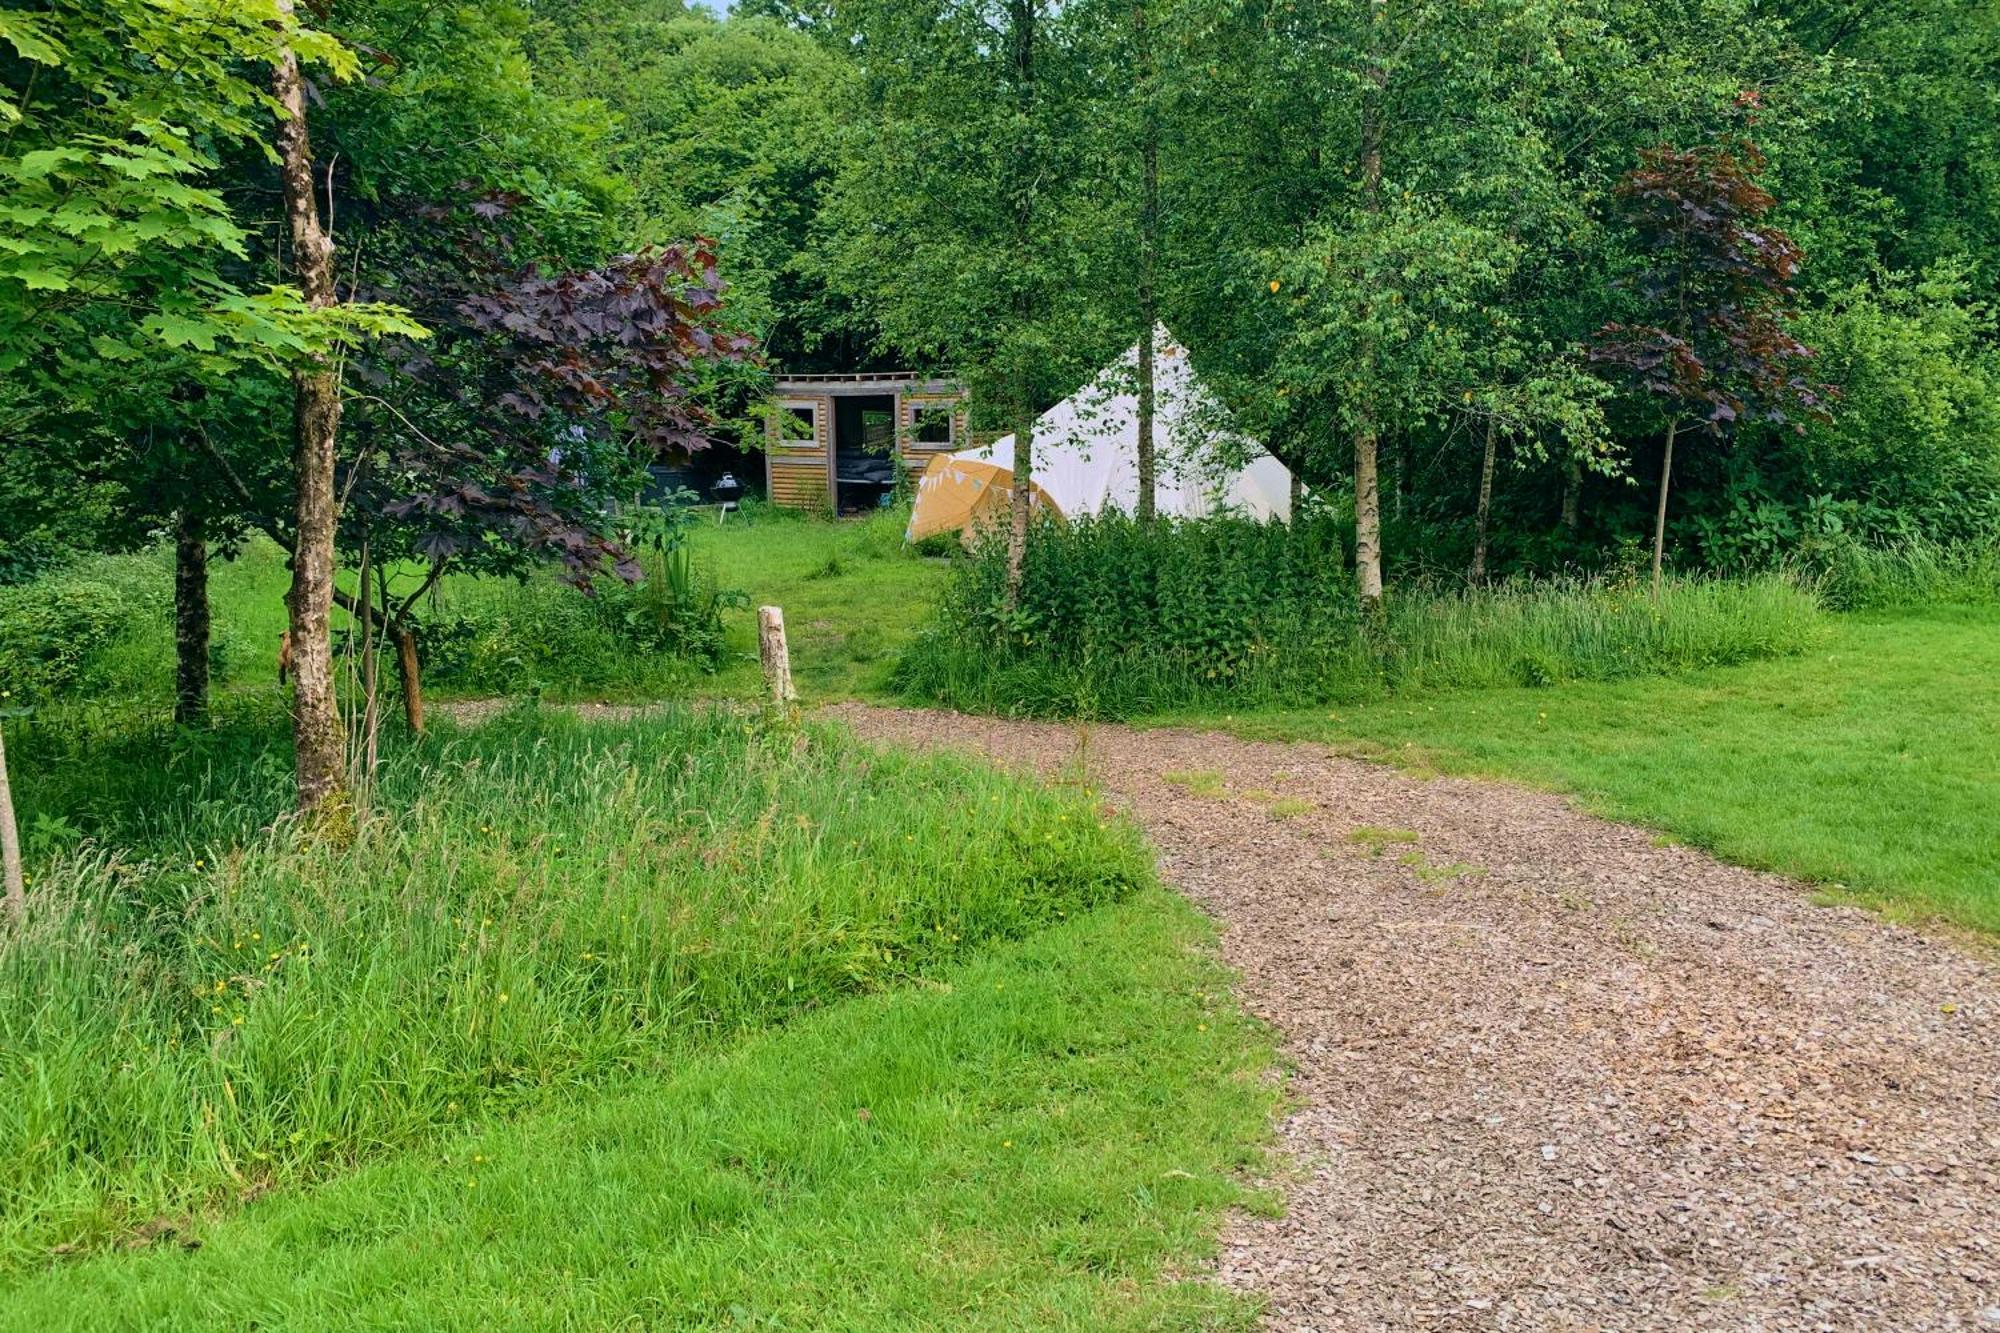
x: 191, y: 618
x: 1025, y: 175
x: 410, y: 673
x: 10, y: 846
x: 1367, y: 523
x: 1149, y: 243
x: 1660, y: 517
x: 371, y: 667
x: 1147, y: 463
x: 1023, y: 503
x: 316, y: 730
x: 1367, y: 492
x: 1478, y: 575
x: 1572, y: 496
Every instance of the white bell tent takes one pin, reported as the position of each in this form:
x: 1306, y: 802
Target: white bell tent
x: 1086, y: 456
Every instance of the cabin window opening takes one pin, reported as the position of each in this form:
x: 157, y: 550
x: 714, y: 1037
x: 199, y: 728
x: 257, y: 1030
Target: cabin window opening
x: 932, y: 425
x: 802, y: 426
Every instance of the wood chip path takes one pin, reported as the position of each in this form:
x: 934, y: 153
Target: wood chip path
x: 1550, y: 1074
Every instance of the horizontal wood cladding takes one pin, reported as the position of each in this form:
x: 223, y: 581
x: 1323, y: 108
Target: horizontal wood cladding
x: 799, y: 485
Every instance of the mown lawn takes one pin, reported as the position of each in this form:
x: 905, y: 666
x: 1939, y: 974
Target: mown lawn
x: 852, y: 593
x: 1871, y: 765
x: 1043, y: 1137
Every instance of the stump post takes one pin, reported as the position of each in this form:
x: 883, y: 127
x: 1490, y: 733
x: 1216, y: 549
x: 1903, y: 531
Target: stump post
x: 14, y: 890
x: 776, y: 656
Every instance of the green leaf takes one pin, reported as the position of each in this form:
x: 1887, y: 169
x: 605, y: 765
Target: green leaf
x: 45, y: 161
x: 38, y: 279
x: 30, y: 40
x: 182, y: 331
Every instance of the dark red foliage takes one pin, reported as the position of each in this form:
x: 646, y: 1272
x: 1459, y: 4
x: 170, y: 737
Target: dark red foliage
x: 1718, y: 282
x: 532, y: 408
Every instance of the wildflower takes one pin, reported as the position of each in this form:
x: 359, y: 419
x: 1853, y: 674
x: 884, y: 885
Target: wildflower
x: 503, y: 997
x: 1201, y: 1027
x: 1006, y: 1143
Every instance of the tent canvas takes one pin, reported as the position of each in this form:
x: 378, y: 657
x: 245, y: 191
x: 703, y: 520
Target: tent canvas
x: 1087, y: 456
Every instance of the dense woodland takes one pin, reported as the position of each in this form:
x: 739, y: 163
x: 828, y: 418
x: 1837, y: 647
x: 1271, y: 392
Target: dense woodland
x: 1512, y: 285
x: 1636, y: 362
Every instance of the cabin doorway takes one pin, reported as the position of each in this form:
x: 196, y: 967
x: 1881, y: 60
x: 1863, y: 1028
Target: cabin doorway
x: 864, y: 451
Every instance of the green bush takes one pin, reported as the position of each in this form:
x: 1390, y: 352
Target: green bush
x: 1119, y: 619
x: 203, y: 1001
x: 56, y: 630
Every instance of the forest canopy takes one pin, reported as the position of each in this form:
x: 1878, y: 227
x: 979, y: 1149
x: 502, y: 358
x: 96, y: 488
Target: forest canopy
x: 1388, y: 230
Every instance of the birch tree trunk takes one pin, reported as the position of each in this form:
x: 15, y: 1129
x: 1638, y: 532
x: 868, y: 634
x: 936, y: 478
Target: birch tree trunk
x: 1023, y: 502
x: 1367, y: 487
x: 1149, y: 242
x: 316, y: 730
x: 1367, y: 522
x: 1022, y: 15
x: 1572, y: 495
x: 191, y: 618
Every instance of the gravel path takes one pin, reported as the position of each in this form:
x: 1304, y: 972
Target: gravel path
x: 1551, y: 1075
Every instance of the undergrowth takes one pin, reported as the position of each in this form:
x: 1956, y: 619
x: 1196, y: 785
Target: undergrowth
x: 1913, y: 574
x: 204, y: 1002
x: 1117, y: 619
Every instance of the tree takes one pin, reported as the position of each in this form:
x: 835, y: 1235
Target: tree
x: 129, y: 301
x: 1716, y: 282
x: 960, y: 219
x: 320, y: 754
x: 510, y: 436
x: 726, y: 129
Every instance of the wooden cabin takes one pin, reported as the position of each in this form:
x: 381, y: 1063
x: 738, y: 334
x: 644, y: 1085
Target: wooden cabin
x: 834, y: 440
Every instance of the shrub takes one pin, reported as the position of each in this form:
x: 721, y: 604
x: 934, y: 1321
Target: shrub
x: 197, y: 1004
x: 1119, y: 619
x: 496, y: 636
x: 54, y: 629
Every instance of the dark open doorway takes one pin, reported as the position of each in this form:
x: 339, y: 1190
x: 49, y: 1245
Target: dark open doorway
x: 864, y: 450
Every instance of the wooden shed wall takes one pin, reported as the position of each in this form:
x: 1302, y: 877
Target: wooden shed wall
x: 797, y: 472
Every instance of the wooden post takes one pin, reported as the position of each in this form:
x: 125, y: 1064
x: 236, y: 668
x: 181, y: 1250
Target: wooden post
x: 10, y: 847
x: 776, y: 657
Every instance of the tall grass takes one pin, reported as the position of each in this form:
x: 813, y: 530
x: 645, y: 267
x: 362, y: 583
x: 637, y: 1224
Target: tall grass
x: 203, y: 1001
x: 1115, y: 619
x: 1912, y: 574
